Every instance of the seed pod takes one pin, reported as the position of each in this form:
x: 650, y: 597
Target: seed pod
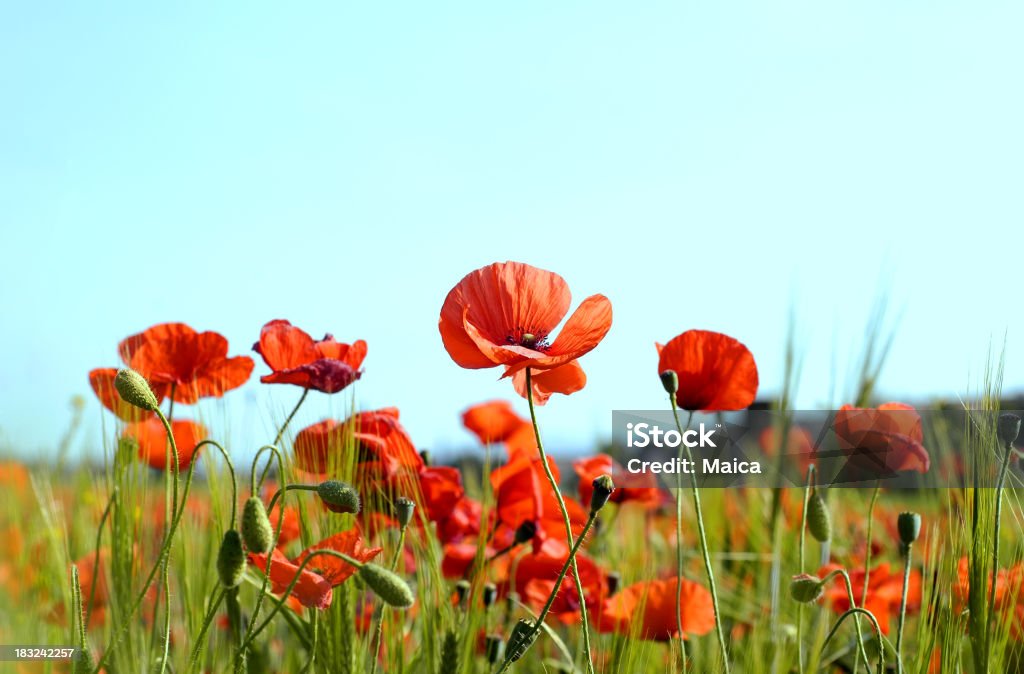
x: 806, y: 589
x: 819, y: 522
x: 256, y: 530
x: 909, y: 526
x: 134, y: 390
x: 450, y: 654
x: 387, y: 585
x: 670, y: 380
x: 526, y: 531
x: 231, y: 559
x: 462, y: 589
x: 519, y: 641
x: 1008, y: 429
x: 339, y: 497
x: 603, y: 488
x: 495, y: 648
x: 489, y: 594
x: 614, y: 580
x: 425, y: 455
x: 404, y: 509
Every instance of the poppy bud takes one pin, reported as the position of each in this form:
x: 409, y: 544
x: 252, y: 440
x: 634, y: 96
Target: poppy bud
x: 1008, y: 429
x: 256, y: 530
x: 511, y: 599
x: 522, y: 637
x: 806, y: 588
x: 338, y: 496
x: 819, y: 523
x: 603, y: 488
x: 387, y: 585
x: 450, y: 654
x: 462, y: 588
x: 495, y: 648
x: 425, y: 455
x: 134, y: 389
x: 231, y: 559
x: 670, y: 380
x: 404, y: 508
x: 526, y: 531
x: 909, y: 526
x: 614, y: 579
x: 489, y: 594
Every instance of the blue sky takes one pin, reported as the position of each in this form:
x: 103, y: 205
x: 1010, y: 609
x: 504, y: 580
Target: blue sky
x: 342, y: 167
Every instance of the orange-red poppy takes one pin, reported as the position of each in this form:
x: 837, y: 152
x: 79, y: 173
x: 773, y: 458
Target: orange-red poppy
x: 463, y: 521
x: 192, y: 364
x: 336, y: 571
x: 504, y: 313
x: 885, y: 591
x: 101, y: 380
x: 637, y: 487
x: 535, y: 575
x: 799, y: 448
x: 522, y: 494
x: 882, y: 440
x: 492, y: 421
x: 715, y: 371
x: 441, y: 488
x: 295, y: 358
x: 377, y: 436
x: 152, y: 438
x: 653, y: 603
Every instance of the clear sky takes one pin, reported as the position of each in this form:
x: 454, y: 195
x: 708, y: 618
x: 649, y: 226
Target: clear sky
x: 714, y: 166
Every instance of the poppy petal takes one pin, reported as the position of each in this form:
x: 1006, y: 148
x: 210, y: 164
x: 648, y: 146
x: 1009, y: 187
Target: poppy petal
x: 564, y: 379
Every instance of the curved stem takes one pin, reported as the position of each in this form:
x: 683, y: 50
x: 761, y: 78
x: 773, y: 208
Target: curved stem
x: 803, y: 537
x: 255, y: 486
x: 288, y: 420
x: 903, y: 610
x: 231, y: 470
x: 565, y: 519
x: 207, y: 620
x: 874, y: 623
x: 704, y: 544
x: 679, y: 549
x: 378, y: 633
x: 861, y: 653
x: 867, y: 552
x: 96, y: 556
x: 289, y: 487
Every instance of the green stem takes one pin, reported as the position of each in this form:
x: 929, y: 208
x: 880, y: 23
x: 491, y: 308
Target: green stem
x: 565, y: 518
x: 878, y: 632
x: 378, y: 633
x: 554, y: 591
x: 803, y: 537
x: 289, y: 487
x: 861, y: 653
x: 193, y: 659
x: 703, y: 544
x: 867, y: 556
x: 991, y: 609
x: 679, y: 551
x: 903, y: 611
x: 288, y: 420
x: 96, y: 556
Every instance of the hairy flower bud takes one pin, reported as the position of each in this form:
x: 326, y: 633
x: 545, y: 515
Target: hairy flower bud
x: 909, y: 526
x: 256, y: 530
x: 231, y: 559
x: 603, y: 488
x: 404, y: 508
x: 670, y: 380
x: 134, y: 390
x: 806, y: 588
x: 522, y: 637
x: 1008, y: 429
x: 339, y: 497
x: 387, y: 585
x: 819, y: 522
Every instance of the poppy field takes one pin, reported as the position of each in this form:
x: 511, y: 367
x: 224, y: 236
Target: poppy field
x: 341, y: 546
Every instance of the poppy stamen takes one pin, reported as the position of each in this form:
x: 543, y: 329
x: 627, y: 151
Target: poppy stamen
x: 527, y: 337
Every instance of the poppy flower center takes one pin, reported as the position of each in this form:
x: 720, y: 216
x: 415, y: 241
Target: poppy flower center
x: 538, y: 341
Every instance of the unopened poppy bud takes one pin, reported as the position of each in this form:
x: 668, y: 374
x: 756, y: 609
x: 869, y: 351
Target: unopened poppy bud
x: 231, y: 559
x: 819, y: 522
x: 670, y: 380
x: 462, y: 588
x: 1008, y: 429
x: 526, y: 531
x: 489, y: 594
x: 909, y: 526
x: 522, y: 637
x: 495, y: 648
x: 134, y: 390
x: 614, y: 580
x: 425, y: 455
x: 806, y: 588
x: 404, y: 508
x: 256, y: 530
x: 339, y: 497
x: 603, y: 488
x: 387, y: 585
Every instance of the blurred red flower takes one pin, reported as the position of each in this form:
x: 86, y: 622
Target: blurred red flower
x: 715, y: 371
x: 492, y: 421
x: 637, y: 487
x: 653, y: 603
x: 522, y: 494
x: 503, y: 314
x: 101, y: 380
x: 535, y: 574
x: 295, y: 358
x: 885, y: 590
x: 152, y: 438
x: 377, y: 436
x: 882, y: 440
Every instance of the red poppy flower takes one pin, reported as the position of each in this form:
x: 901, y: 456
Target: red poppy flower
x: 640, y: 488
x: 536, y: 573
x: 441, y: 487
x: 152, y: 439
x: 522, y: 442
x: 885, y: 591
x: 523, y: 494
x: 326, y: 365
x: 799, y: 446
x: 377, y: 436
x: 336, y: 571
x: 458, y: 557
x: 656, y: 599
x: 311, y: 590
x: 194, y: 364
x: 882, y: 440
x: 492, y: 421
x: 463, y: 521
x: 715, y: 371
x: 503, y: 314
x: 102, y: 382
